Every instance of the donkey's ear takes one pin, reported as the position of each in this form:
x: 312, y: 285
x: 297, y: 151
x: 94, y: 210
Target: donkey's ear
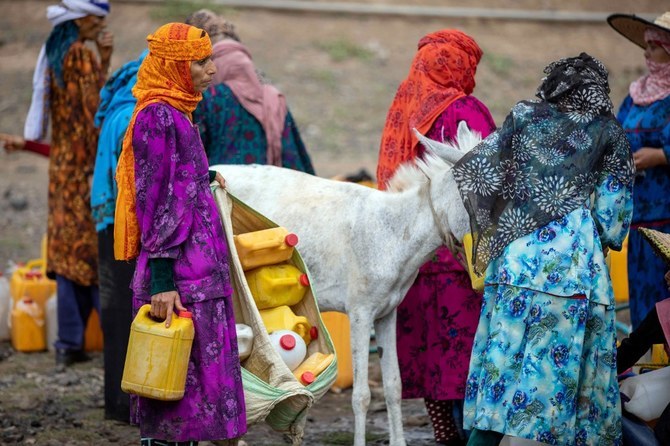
x: 446, y: 151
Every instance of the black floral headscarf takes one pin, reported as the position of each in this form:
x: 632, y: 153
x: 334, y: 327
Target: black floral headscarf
x: 545, y: 160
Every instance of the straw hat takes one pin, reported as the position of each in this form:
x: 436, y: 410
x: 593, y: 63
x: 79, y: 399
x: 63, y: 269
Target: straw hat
x: 632, y: 27
x: 660, y: 241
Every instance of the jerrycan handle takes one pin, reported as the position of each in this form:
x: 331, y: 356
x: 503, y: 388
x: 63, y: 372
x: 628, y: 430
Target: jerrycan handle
x: 290, y: 240
x: 302, y: 327
x: 302, y: 280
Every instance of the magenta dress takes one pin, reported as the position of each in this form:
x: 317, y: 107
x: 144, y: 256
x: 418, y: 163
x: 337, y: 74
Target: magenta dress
x: 178, y: 219
x: 438, y: 318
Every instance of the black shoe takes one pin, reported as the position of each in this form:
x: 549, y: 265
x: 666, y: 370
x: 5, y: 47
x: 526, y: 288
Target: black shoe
x: 69, y: 357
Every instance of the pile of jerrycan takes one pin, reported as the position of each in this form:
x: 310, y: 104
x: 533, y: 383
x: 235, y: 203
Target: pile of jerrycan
x: 276, y: 286
x: 29, y: 313
x: 157, y: 358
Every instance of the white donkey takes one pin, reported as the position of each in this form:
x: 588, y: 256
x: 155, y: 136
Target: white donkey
x: 364, y: 247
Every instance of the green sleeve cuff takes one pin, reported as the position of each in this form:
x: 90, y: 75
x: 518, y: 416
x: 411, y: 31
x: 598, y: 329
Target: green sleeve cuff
x: 162, y: 276
x: 212, y: 175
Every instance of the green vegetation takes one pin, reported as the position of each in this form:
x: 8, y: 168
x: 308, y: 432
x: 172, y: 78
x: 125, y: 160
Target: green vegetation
x: 341, y: 49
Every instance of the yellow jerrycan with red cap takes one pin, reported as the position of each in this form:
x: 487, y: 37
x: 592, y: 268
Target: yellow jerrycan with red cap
x: 275, y: 285
x: 264, y: 247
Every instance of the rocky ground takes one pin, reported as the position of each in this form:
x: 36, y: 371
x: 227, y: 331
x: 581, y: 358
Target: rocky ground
x: 339, y: 73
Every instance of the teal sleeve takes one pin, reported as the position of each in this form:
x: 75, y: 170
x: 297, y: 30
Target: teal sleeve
x: 212, y: 175
x: 162, y: 276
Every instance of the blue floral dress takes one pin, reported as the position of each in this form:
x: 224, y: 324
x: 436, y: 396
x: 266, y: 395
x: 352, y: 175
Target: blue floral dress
x: 647, y: 126
x: 543, y: 365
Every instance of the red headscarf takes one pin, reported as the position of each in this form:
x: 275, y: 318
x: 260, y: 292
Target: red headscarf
x: 442, y: 71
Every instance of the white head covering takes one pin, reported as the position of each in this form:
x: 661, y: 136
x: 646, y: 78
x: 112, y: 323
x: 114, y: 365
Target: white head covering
x: 37, y: 119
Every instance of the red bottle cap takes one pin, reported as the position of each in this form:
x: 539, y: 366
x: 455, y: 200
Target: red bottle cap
x: 287, y: 342
x: 27, y: 300
x: 304, y: 280
x: 307, y: 378
x: 291, y: 240
x: 186, y: 314
x: 314, y: 333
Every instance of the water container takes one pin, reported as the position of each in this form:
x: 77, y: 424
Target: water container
x: 5, y: 306
x: 93, y: 340
x: 31, y: 281
x: 245, y: 340
x: 310, y: 368
x: 51, y: 318
x: 338, y: 326
x: 157, y: 357
x: 266, y: 247
x: 476, y: 279
x: 27, y: 330
x: 290, y: 346
x: 649, y: 393
x: 275, y: 285
x: 283, y: 318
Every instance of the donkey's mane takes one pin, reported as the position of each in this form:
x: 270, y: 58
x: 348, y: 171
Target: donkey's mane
x: 416, y: 173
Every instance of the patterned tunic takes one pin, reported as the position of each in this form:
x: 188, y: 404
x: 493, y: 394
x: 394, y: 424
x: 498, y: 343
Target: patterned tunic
x: 438, y: 317
x: 232, y: 135
x: 178, y: 219
x: 543, y: 365
x: 647, y: 126
x: 72, y: 240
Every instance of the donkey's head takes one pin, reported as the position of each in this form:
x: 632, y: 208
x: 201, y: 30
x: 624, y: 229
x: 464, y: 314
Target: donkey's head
x: 437, y: 164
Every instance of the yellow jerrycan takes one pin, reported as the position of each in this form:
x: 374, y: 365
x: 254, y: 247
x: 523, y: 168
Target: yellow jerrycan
x: 310, y: 368
x: 157, y: 357
x: 283, y: 318
x: 275, y: 285
x: 28, y: 332
x: 476, y: 279
x: 265, y: 247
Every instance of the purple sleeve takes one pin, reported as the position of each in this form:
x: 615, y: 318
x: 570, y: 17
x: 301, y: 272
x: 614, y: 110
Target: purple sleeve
x: 165, y: 186
x: 468, y: 109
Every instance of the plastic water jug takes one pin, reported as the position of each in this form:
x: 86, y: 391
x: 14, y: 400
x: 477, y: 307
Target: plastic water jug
x: 290, y: 346
x: 31, y: 281
x: 245, y: 340
x: 51, y: 318
x: 476, y: 279
x: 5, y: 306
x: 649, y: 393
x: 310, y: 368
x: 28, y: 326
x: 266, y: 247
x: 275, y: 285
x: 157, y: 357
x: 93, y: 339
x: 283, y: 318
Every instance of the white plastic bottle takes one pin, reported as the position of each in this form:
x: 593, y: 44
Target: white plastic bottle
x: 290, y: 346
x: 5, y: 306
x: 51, y: 317
x: 245, y: 340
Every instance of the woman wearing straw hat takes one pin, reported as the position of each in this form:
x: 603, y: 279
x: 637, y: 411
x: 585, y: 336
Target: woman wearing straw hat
x: 645, y: 116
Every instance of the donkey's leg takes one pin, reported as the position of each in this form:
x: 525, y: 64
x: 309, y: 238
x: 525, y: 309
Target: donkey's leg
x: 360, y: 321
x: 386, y: 341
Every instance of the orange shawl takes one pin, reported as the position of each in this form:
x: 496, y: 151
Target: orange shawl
x: 443, y: 70
x: 164, y: 76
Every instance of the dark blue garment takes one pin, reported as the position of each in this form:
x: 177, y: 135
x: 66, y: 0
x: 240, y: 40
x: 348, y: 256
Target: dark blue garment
x: 58, y: 43
x: 75, y: 303
x: 647, y: 126
x: 232, y: 135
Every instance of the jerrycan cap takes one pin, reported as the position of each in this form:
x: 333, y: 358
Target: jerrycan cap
x: 307, y: 378
x: 304, y: 280
x: 314, y: 333
x: 27, y: 300
x: 291, y: 240
x: 287, y: 342
x: 185, y: 314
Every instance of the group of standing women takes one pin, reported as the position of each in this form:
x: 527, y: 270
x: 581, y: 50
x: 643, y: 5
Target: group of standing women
x: 548, y: 194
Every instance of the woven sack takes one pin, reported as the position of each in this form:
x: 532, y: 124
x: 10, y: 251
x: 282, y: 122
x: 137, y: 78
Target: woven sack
x: 271, y: 392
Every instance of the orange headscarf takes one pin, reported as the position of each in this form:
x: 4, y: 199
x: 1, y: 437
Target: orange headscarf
x: 442, y: 71
x: 164, y: 76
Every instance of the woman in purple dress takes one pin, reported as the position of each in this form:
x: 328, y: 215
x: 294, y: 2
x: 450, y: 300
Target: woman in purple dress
x: 438, y: 318
x: 167, y: 218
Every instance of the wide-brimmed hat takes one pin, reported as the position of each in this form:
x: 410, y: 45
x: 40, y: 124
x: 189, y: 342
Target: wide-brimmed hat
x: 660, y: 241
x: 633, y: 27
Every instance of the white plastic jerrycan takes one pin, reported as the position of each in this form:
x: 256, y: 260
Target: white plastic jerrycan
x: 290, y: 346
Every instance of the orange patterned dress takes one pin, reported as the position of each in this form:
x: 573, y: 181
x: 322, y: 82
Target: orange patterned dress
x: 72, y: 241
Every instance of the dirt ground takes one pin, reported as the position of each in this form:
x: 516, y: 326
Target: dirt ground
x: 339, y: 73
